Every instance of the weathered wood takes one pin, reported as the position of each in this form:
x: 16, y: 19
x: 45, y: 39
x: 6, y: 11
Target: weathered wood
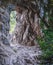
x: 19, y: 55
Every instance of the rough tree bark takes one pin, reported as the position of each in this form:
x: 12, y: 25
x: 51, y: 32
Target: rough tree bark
x: 17, y: 55
x: 31, y: 28
x: 27, y: 27
x: 4, y: 24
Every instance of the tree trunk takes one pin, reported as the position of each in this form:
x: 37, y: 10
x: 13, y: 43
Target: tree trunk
x: 4, y: 24
x: 27, y: 27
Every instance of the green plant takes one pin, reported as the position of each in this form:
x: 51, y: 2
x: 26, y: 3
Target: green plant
x: 46, y: 44
x: 12, y: 21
